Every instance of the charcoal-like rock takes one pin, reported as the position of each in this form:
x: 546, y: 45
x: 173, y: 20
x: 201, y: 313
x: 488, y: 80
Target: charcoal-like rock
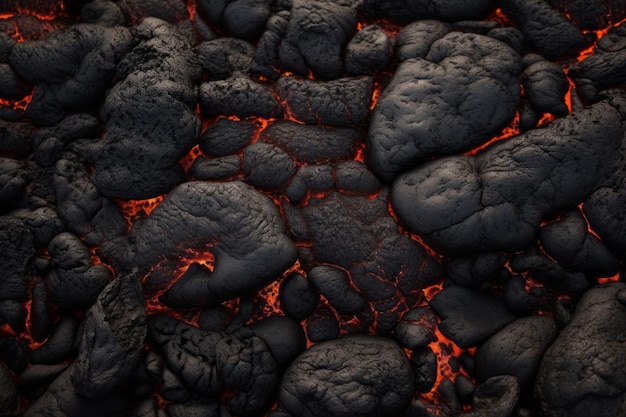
x: 17, y: 249
x: 496, y: 199
x: 598, y: 72
x: 358, y: 234
x: 72, y: 68
x: 545, y: 85
x: 36, y: 376
x: 246, y: 19
x: 247, y: 235
x: 40, y: 316
x: 267, y: 166
x: 416, y: 330
x: 112, y: 339
x: 322, y: 325
x: 59, y: 345
x: 310, y: 144
x: 283, y: 336
x: 415, y: 39
x: 355, y: 375
x: 14, y: 314
x: 138, y: 156
x: 465, y: 91
x: 582, y: 373
x: 424, y: 364
x: 78, y: 199
x: 216, y: 318
x: 590, y: 15
x: 13, y: 178
x: 475, y: 270
x: 298, y: 297
x: 315, y: 37
x: 221, y: 57
x: 247, y: 367
x: 517, y: 350
x: 544, y: 28
x: 103, y: 12
x: 342, y: 102
x: 189, y: 352
x: 227, y: 137
x: 570, y: 243
x: 334, y: 284
x: 61, y: 400
x: 266, y: 60
x: 516, y: 298
x: 496, y: 397
x: 75, y: 281
x: 215, y: 169
x: 238, y: 96
x: 195, y: 409
x: 368, y: 51
x: 469, y: 317
x: 16, y: 141
x: 509, y: 35
x: 9, y: 397
x: 355, y: 177
x: 553, y: 274
x: 11, y: 88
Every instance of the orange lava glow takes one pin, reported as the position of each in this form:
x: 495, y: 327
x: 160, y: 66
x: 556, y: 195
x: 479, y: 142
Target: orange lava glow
x: 589, y: 229
x: 508, y: 132
x: 132, y: 209
x: 502, y: 19
x: 391, y: 29
x: 433, y: 253
x: 19, y: 105
x: 187, y: 161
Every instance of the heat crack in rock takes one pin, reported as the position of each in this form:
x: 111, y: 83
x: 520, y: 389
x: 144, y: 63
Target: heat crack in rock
x: 354, y: 376
x: 496, y: 199
x: 138, y: 155
x: 584, y: 371
x: 241, y: 227
x: 463, y: 93
x: 72, y: 68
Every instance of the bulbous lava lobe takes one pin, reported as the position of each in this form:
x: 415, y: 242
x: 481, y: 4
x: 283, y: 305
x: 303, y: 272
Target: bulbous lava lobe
x: 463, y: 93
x: 71, y: 68
x: 355, y: 376
x: 584, y: 372
x: 496, y: 199
x: 240, y: 226
x: 404, y: 12
x: 138, y: 155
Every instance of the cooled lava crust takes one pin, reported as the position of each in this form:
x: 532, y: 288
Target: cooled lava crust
x: 290, y: 208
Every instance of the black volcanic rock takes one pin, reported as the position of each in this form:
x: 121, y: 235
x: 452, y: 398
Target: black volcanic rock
x: 545, y: 85
x: 359, y: 235
x: 517, y: 350
x: 9, y: 397
x: 463, y: 93
x: 544, y: 28
x: 238, y: 96
x: 582, y: 373
x: 355, y: 375
x: 341, y: 102
x: 415, y: 39
x: 240, y: 226
x: 496, y: 199
x: 72, y: 68
x: 469, y: 317
x: 368, y: 51
x: 112, y: 338
x: 138, y: 156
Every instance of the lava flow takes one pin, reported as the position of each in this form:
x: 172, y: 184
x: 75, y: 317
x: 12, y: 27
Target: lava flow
x: 312, y: 208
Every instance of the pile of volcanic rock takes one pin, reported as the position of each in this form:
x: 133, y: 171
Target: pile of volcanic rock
x: 337, y: 161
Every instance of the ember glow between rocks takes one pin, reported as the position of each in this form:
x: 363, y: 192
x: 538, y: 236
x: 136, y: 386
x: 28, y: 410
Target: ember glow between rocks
x: 287, y: 208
